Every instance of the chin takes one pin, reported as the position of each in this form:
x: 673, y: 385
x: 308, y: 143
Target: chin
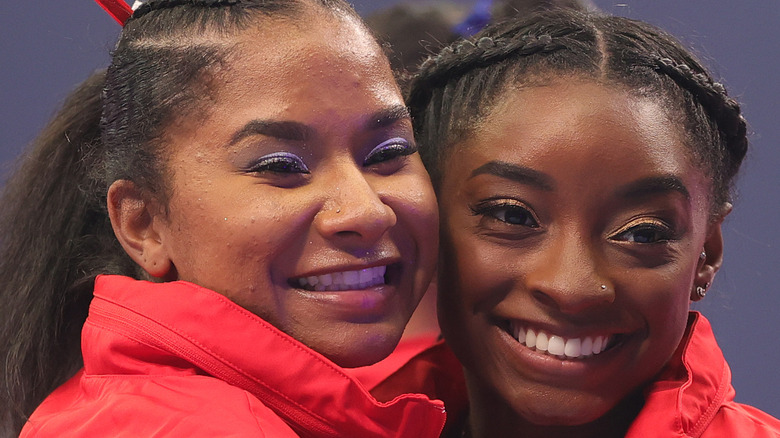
x: 567, y: 419
x: 560, y: 413
x: 368, y: 346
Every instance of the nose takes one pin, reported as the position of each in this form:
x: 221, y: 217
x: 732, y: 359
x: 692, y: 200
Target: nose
x: 567, y: 277
x: 354, y: 210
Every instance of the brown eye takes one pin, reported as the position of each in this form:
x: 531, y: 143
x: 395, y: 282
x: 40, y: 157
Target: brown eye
x: 515, y: 216
x: 508, y: 212
x: 647, y: 232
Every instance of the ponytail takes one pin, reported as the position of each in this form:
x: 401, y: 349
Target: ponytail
x: 55, y: 234
x: 55, y: 237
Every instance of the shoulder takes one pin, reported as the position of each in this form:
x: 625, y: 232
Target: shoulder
x: 152, y: 406
x: 737, y: 420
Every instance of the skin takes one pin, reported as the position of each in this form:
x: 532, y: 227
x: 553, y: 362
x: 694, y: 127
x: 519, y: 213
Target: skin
x: 249, y: 224
x: 562, y: 189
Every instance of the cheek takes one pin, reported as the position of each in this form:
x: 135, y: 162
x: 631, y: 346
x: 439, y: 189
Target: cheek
x: 665, y: 291
x: 471, y: 281
x: 481, y: 271
x: 663, y: 299
x: 413, y: 201
x: 230, y: 227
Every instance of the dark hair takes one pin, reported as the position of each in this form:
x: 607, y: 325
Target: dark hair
x: 454, y: 90
x: 411, y: 32
x: 53, y: 229
x: 55, y: 234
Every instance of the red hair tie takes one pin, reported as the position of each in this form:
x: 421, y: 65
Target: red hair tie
x: 118, y: 9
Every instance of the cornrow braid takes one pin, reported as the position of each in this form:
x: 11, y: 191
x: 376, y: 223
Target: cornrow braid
x: 454, y: 90
x: 466, y: 55
x: 154, y: 5
x: 724, y: 110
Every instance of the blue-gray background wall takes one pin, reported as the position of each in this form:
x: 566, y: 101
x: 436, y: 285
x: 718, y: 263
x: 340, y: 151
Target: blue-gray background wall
x: 48, y: 46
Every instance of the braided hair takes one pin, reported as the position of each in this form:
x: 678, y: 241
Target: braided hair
x: 164, y: 65
x: 454, y: 90
x: 55, y: 234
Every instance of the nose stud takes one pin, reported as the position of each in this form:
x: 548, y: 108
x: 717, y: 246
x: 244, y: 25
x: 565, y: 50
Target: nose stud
x: 603, y: 287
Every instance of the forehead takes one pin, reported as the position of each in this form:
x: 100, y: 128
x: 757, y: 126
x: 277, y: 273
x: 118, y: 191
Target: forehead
x: 579, y: 132
x: 578, y: 116
x: 307, y: 43
x: 320, y: 69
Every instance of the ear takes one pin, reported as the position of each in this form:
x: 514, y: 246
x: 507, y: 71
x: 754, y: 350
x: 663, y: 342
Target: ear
x: 136, y: 218
x: 713, y: 253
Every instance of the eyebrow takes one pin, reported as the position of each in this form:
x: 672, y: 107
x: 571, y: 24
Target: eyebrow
x: 296, y: 131
x: 284, y: 130
x: 386, y: 117
x: 516, y: 173
x: 652, y: 186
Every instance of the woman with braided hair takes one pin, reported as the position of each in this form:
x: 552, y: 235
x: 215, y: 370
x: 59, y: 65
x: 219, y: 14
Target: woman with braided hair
x: 237, y: 209
x: 583, y: 166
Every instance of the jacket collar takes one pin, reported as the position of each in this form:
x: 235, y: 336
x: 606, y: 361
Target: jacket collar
x: 693, y: 386
x: 188, y: 329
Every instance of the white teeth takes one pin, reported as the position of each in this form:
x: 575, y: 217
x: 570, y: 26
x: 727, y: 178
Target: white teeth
x: 354, y: 280
x: 598, y: 343
x: 530, y: 339
x: 541, y: 341
x: 351, y: 277
x: 587, y: 346
x: 520, y: 333
x: 559, y: 346
x: 573, y: 348
x: 556, y: 345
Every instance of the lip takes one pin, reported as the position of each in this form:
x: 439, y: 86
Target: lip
x: 392, y: 267
x: 356, y: 304
x: 546, y: 367
x: 579, y: 346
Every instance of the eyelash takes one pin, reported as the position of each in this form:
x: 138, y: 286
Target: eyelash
x: 498, y: 209
x: 389, y: 150
x: 662, y: 232
x: 286, y: 162
x: 279, y: 162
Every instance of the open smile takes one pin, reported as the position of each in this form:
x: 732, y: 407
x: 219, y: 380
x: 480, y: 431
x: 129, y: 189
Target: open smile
x: 343, y: 280
x: 551, y: 344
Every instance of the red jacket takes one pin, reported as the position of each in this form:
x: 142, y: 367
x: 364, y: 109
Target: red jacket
x: 175, y: 359
x: 692, y: 396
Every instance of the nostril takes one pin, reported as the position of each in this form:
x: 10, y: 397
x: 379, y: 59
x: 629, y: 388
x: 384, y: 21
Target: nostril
x: 346, y: 233
x: 367, y: 221
x: 543, y: 298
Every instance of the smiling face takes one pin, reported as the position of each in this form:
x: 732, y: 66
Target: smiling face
x: 299, y: 194
x: 572, y: 224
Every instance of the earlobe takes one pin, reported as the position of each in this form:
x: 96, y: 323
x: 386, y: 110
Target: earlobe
x: 135, y: 219
x: 711, y: 258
